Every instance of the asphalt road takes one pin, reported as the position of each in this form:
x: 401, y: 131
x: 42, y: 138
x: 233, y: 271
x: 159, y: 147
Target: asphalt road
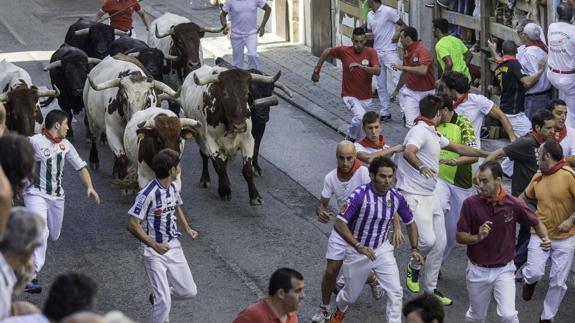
x: 239, y: 245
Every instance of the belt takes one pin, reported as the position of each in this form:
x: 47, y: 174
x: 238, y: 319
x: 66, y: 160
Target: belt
x: 561, y: 72
x: 538, y: 93
x: 489, y: 266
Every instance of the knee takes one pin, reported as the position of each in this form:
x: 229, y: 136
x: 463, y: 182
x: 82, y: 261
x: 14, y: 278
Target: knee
x: 190, y: 292
x: 533, y: 275
x: 427, y: 241
x: 509, y: 316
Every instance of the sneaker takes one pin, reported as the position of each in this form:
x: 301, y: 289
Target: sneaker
x: 443, y: 299
x: 337, y: 316
x: 337, y: 288
x: 386, y: 118
x: 528, y: 290
x: 412, y: 279
x: 33, y: 287
x: 321, y: 316
x: 376, y: 290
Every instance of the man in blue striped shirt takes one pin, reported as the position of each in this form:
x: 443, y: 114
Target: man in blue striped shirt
x: 153, y: 221
x: 365, y: 222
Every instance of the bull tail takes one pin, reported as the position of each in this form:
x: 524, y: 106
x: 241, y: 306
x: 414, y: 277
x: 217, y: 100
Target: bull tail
x: 47, y: 102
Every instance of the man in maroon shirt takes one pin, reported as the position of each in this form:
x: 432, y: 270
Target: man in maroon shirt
x: 416, y: 75
x: 359, y: 64
x: 120, y: 12
x: 284, y: 296
x: 487, y: 226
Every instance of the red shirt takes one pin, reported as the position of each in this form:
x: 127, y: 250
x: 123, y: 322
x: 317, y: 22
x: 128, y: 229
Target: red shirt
x: 416, y: 54
x: 123, y: 20
x: 261, y: 312
x: 356, y: 83
x: 498, y: 247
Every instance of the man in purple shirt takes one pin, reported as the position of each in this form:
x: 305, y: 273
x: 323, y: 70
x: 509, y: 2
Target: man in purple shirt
x: 364, y: 223
x: 487, y: 226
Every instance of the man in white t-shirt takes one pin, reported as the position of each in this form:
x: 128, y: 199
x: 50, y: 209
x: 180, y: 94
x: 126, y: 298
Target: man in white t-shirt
x: 473, y: 106
x: 340, y: 182
x: 561, y: 58
x: 383, y: 21
x: 373, y: 144
x: 417, y: 179
x: 245, y: 29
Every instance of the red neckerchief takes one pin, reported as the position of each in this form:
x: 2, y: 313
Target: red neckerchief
x: 495, y: 199
x: 561, y: 134
x: 505, y: 58
x: 560, y: 164
x: 55, y: 140
x: 539, y: 43
x: 370, y: 144
x: 344, y: 177
x: 537, y: 137
x: 460, y: 100
x: 424, y: 119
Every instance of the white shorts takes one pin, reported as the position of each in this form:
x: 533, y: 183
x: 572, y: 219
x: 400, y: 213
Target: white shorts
x: 336, y: 247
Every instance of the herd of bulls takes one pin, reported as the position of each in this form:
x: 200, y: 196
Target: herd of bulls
x: 120, y: 82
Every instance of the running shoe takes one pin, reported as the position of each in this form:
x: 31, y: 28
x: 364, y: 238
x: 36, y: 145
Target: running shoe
x: 321, y: 316
x: 443, y: 299
x: 33, y: 287
x: 376, y: 290
x: 412, y: 279
x: 337, y: 316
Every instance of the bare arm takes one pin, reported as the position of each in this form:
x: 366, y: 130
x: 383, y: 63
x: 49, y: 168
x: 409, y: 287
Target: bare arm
x: 343, y: 230
x: 499, y: 115
x: 468, y: 57
x: 465, y: 150
x: 466, y: 238
x: 321, y: 210
x: 136, y: 229
x: 448, y: 64
x: 530, y: 81
x: 496, y: 155
x: 413, y: 242
x: 398, y: 87
x: 267, y: 12
x: 368, y: 158
x: 541, y: 231
x: 183, y: 223
x: 224, y: 21
x: 144, y: 18
x: 398, y: 25
x: 417, y: 70
x: 5, y: 201
x: 524, y: 198
x: 460, y: 161
x: 87, y: 181
x: 373, y: 70
x: 324, y: 55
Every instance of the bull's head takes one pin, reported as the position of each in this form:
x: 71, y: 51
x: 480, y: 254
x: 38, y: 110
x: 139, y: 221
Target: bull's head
x: 230, y: 93
x: 100, y: 37
x: 22, y: 111
x: 135, y: 93
x: 74, y: 69
x: 186, y: 44
x: 163, y: 132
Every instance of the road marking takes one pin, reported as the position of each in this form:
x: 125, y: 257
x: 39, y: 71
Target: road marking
x: 12, y: 31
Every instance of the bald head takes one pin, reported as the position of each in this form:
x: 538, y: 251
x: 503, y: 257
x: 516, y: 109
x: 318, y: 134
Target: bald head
x: 84, y: 317
x: 509, y: 47
x: 345, y: 147
x: 564, y: 11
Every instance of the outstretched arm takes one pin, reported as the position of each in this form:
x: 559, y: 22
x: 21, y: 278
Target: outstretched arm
x: 324, y: 55
x: 144, y: 18
x: 87, y: 181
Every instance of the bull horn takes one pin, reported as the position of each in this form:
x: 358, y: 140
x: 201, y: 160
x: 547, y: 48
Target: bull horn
x: 283, y: 87
x: 4, y: 97
x: 51, y: 93
x: 171, y: 57
x: 104, y: 85
x: 54, y: 64
x: 266, y: 79
x: 81, y: 32
x: 187, y: 122
x: 134, y: 54
x: 163, y: 97
x: 160, y: 86
x: 159, y: 36
x: 212, y: 29
x: 149, y: 124
x: 120, y: 33
x: 266, y: 102
x: 210, y: 79
x: 93, y: 60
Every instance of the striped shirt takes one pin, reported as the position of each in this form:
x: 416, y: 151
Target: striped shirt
x: 369, y: 215
x: 49, y: 168
x: 156, y: 207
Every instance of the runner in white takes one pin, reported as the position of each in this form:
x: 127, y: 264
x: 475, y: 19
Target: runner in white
x: 46, y: 195
x: 153, y: 219
x: 564, y: 134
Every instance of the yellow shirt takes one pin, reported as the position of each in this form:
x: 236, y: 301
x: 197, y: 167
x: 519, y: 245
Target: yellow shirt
x: 555, y: 195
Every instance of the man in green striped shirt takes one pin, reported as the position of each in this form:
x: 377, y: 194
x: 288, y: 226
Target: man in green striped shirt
x: 455, y: 174
x: 46, y: 195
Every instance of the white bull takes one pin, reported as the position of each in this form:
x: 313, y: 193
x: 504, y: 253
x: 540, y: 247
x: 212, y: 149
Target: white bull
x: 146, y: 130
x: 114, y: 91
x: 218, y: 99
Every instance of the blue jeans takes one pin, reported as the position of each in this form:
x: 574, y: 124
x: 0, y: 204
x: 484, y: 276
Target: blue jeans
x: 535, y: 102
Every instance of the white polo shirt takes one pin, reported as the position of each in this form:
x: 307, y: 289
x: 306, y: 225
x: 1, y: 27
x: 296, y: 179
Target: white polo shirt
x: 529, y: 59
x: 476, y: 107
x: 429, y: 143
x: 561, y: 46
x: 243, y: 15
x: 382, y: 24
x: 333, y: 186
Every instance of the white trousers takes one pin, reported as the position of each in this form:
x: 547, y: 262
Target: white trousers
x: 521, y: 126
x: 431, y: 228
x: 451, y: 198
x: 385, y: 60
x: 410, y: 104
x: 250, y: 42
x: 356, y: 268
x: 565, y: 83
x: 357, y: 108
x: 561, y: 259
x: 482, y: 283
x: 52, y: 211
x: 169, y: 276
